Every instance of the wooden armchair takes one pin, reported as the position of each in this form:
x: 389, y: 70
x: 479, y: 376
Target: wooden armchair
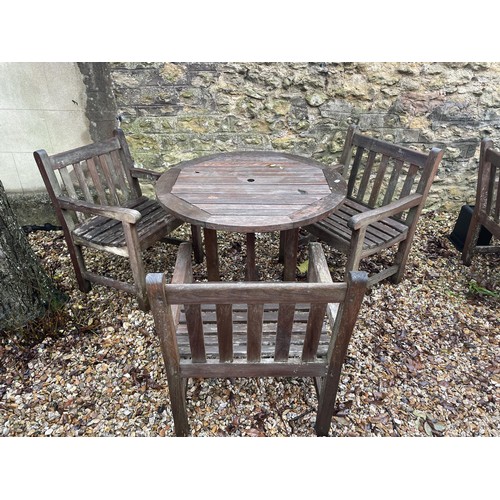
x: 387, y: 189
x: 267, y: 329
x: 98, y: 201
x: 486, y: 211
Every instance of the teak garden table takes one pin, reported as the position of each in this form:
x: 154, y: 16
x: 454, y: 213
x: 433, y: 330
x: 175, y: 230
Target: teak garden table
x: 251, y: 192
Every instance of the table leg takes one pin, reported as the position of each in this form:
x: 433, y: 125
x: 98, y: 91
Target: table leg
x: 282, y: 247
x: 210, y: 237
x: 290, y: 249
x: 251, y: 269
x: 197, y: 243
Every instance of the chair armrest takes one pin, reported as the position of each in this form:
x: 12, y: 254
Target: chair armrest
x: 396, y: 207
x: 119, y: 213
x: 142, y: 173
x: 183, y: 272
x: 318, y: 272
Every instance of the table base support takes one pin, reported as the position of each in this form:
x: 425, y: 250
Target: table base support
x: 251, y: 269
x: 212, y: 254
x: 290, y: 239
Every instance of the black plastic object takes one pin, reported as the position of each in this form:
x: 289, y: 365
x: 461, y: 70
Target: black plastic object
x: 459, y: 233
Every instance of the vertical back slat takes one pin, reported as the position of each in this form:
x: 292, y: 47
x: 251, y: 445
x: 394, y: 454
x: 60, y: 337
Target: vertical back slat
x: 194, y: 324
x: 345, y: 159
x: 313, y: 331
x: 80, y: 176
x: 127, y: 163
x: 354, y: 170
x: 393, y: 182
x: 284, y: 331
x: 120, y: 174
x: 366, y: 175
x: 110, y: 181
x: 224, y: 314
x: 96, y: 181
x: 409, y: 180
x: 254, y: 332
x: 377, y: 183
x: 68, y: 183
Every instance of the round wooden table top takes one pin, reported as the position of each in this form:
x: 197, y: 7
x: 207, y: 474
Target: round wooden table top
x: 251, y: 191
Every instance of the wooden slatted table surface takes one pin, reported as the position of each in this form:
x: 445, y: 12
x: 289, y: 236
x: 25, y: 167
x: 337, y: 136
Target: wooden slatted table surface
x: 251, y: 192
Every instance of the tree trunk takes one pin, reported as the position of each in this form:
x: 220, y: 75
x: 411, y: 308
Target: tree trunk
x: 26, y: 292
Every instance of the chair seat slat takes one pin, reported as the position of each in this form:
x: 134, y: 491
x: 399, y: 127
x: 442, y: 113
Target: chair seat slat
x: 109, y: 232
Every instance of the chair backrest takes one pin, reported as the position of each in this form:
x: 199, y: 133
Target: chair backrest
x: 378, y: 172
x: 98, y: 173
x: 488, y: 186
x: 254, y: 329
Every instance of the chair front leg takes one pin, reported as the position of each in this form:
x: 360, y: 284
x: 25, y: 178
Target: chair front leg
x: 400, y: 260
x: 76, y: 255
x: 355, y: 250
x: 136, y: 264
x: 471, y: 238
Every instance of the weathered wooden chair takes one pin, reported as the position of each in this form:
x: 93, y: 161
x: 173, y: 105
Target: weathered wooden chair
x: 98, y: 201
x: 243, y: 329
x: 387, y: 189
x: 486, y: 211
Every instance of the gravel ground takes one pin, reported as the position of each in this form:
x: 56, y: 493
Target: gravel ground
x: 423, y: 361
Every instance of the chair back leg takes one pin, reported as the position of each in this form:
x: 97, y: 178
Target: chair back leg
x: 472, y: 237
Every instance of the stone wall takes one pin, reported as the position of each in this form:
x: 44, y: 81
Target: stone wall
x: 177, y: 111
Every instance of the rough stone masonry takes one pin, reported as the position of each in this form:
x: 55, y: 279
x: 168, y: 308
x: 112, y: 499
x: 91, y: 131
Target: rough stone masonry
x: 177, y: 111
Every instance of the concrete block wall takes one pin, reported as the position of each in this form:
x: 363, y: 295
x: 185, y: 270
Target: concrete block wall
x: 42, y: 106
x: 51, y: 106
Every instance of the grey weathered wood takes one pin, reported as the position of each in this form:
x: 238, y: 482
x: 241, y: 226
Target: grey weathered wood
x: 251, y: 270
x: 487, y: 205
x: 212, y: 254
x: 162, y: 315
x: 250, y: 192
x: 256, y: 338
x: 284, y: 331
x: 99, y: 183
x: 387, y: 186
x: 291, y: 240
x: 254, y: 331
x: 342, y: 332
x: 255, y: 293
